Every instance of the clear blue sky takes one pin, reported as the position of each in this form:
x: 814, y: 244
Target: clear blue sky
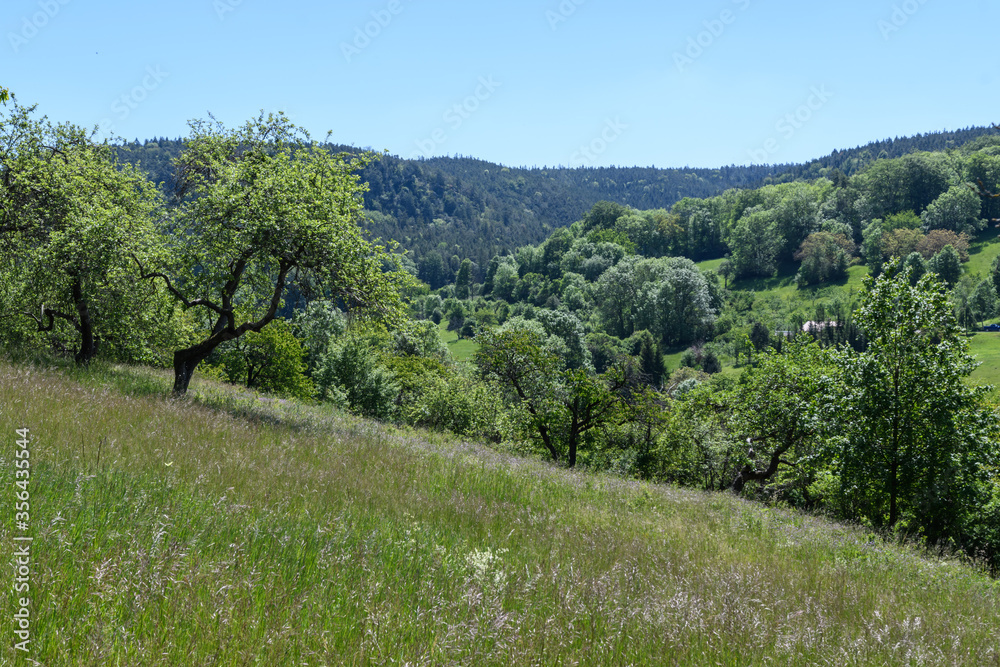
x: 524, y: 83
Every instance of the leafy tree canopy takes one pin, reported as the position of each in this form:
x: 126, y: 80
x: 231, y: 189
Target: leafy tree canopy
x: 918, y: 440
x: 263, y: 208
x: 71, y: 223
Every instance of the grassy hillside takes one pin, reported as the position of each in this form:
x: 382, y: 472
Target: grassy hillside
x: 982, y: 252
x: 228, y: 529
x: 985, y: 346
x: 461, y: 349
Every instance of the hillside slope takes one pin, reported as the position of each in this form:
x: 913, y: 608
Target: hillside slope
x: 227, y: 529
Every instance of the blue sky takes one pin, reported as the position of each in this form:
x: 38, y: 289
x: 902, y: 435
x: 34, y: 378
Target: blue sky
x: 523, y: 83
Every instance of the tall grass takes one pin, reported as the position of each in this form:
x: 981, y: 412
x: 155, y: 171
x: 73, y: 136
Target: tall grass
x: 228, y: 530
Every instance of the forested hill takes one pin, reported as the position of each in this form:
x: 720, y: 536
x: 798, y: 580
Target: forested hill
x: 853, y: 160
x: 464, y: 207
x: 459, y: 207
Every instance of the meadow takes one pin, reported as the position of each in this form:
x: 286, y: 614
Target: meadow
x: 227, y: 528
x: 461, y: 349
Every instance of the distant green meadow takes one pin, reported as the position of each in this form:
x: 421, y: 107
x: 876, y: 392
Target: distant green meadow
x: 461, y: 349
x: 984, y: 345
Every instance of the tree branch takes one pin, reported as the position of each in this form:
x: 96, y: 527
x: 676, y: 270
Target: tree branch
x: 51, y: 315
x: 279, y: 289
x: 146, y: 275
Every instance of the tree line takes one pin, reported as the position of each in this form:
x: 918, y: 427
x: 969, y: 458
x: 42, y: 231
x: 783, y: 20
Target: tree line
x: 444, y: 210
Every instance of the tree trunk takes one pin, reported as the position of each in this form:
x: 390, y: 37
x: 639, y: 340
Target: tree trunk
x: 187, y: 360
x: 893, y: 493
x: 88, y: 343
x: 751, y: 474
x: 184, y: 364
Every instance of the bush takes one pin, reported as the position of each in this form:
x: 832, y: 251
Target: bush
x: 457, y: 404
x: 352, y: 369
x: 271, y: 361
x: 710, y: 363
x: 315, y: 326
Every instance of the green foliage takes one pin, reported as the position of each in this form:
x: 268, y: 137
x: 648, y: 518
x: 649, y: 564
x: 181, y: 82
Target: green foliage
x: 727, y: 271
x: 604, y: 350
x: 433, y: 271
x: 947, y: 264
x: 505, y: 280
x: 983, y: 169
x: 908, y: 183
x: 872, y: 248
x: 710, y: 362
x: 463, y: 281
x: 450, y: 401
x: 755, y: 244
x: 779, y: 409
x: 914, y: 266
x: 650, y: 357
x: 265, y: 209
x: 995, y: 274
x: 350, y: 374
x: 555, y: 407
x: 668, y: 296
x: 316, y: 325
x: 918, y: 439
x: 271, y: 360
x: 570, y: 331
x: 903, y: 220
x: 984, y: 300
x: 825, y: 257
x: 695, y: 449
x: 770, y: 224
x: 612, y: 236
x: 420, y: 339
x: 631, y: 440
x: 72, y: 225
x: 603, y: 215
x: 957, y: 209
